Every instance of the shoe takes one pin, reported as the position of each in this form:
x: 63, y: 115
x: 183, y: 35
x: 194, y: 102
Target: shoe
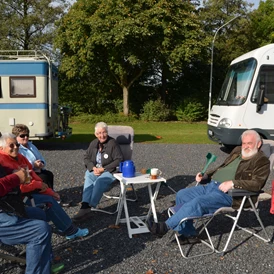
x: 80, y: 233
x: 188, y: 240
x: 82, y: 214
x: 56, y: 268
x: 158, y: 229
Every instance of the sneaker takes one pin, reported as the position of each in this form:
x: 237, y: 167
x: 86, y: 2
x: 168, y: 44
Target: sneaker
x: 56, y: 268
x: 82, y: 214
x: 80, y: 233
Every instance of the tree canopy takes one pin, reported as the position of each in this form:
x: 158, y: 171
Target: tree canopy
x: 125, y: 39
x: 29, y: 24
x: 262, y: 24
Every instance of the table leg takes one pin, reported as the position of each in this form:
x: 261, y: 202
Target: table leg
x: 127, y: 217
x: 153, y: 197
x: 121, y: 203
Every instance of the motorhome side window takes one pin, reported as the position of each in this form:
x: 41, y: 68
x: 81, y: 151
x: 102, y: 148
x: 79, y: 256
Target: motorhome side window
x: 22, y: 87
x: 265, y: 83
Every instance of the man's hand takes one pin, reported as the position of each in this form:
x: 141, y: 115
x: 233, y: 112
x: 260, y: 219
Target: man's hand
x: 226, y: 186
x: 200, y: 177
x: 22, y: 174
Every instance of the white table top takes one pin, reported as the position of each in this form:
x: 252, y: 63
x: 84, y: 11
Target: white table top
x: 138, y: 179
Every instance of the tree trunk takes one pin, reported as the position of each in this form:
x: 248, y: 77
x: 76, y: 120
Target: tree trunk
x: 125, y: 100
x: 164, y: 82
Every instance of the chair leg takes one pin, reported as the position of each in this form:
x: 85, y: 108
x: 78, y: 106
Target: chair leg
x: 186, y: 253
x: 165, y: 184
x: 235, y: 224
x: 119, y: 201
x: 108, y: 212
x: 13, y: 258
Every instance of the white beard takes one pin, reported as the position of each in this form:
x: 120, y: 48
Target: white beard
x: 247, y: 153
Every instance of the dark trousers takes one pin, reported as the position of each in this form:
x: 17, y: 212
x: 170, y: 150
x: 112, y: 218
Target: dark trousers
x: 46, y: 176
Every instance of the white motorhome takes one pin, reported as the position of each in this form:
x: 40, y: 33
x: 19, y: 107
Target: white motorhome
x: 246, y: 100
x: 29, y: 95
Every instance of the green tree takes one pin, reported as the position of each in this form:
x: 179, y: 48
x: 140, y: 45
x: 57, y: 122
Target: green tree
x: 29, y: 24
x: 232, y: 40
x: 262, y: 24
x: 124, y: 39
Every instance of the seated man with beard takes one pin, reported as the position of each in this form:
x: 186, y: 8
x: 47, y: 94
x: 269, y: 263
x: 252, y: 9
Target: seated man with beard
x: 245, y: 168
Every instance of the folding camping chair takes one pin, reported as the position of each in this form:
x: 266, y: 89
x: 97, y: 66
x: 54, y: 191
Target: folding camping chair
x: 124, y: 136
x: 202, y: 223
x: 14, y: 254
x: 11, y: 256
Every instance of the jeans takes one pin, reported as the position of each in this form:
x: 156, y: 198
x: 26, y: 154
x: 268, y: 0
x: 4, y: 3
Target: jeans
x: 95, y: 186
x: 36, y: 213
x: 54, y: 213
x: 36, y: 234
x: 195, y: 202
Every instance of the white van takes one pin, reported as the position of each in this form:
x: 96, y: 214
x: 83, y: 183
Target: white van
x: 246, y: 100
x: 29, y: 95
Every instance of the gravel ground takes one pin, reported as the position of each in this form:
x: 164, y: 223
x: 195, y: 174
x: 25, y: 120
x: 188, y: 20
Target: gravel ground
x: 108, y: 249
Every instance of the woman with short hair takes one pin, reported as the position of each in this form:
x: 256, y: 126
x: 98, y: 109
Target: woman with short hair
x: 31, y: 152
x: 101, y: 160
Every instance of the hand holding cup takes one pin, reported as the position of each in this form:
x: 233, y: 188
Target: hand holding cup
x: 28, y: 177
x: 22, y: 174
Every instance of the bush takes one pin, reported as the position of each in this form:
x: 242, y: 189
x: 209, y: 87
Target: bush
x: 155, y: 111
x: 191, y: 111
x: 118, y: 105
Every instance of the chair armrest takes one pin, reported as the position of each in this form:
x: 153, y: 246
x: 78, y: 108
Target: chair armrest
x: 242, y: 192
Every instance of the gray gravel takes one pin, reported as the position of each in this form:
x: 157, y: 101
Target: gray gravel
x: 109, y: 250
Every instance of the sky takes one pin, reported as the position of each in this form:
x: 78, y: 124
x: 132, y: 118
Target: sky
x: 255, y: 2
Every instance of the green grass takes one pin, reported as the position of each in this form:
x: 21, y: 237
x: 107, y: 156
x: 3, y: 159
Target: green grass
x: 151, y: 132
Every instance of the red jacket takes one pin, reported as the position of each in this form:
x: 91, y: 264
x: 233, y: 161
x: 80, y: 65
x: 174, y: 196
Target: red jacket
x: 9, y: 163
x: 7, y: 183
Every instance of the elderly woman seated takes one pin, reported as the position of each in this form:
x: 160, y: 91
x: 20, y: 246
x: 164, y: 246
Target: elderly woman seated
x: 101, y: 159
x: 11, y: 160
x: 31, y: 152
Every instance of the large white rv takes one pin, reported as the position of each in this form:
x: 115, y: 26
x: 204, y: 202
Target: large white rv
x: 246, y: 100
x: 29, y: 95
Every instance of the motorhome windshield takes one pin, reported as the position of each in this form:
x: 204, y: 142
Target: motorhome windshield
x: 237, y: 82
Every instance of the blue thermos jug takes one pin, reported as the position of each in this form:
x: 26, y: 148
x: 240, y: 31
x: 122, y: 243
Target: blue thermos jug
x: 127, y: 168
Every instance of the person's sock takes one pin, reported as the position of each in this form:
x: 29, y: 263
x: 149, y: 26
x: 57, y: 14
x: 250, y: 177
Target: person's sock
x: 71, y: 230
x: 85, y: 205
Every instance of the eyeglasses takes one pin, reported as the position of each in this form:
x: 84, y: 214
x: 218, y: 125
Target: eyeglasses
x: 12, y: 145
x: 23, y: 136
